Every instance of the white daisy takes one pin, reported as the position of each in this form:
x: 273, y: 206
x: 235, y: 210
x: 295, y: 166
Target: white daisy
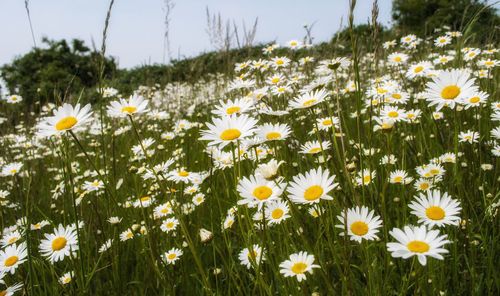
x: 169, y: 225
x: 449, y: 87
x: 298, y: 265
x: 309, y: 99
x: 436, y: 209
x: 11, y: 257
x: 249, y: 258
x: 273, y: 132
x: 417, y: 241
x: 276, y: 212
x: 256, y: 191
x: 59, y: 244
x: 136, y: 104
x: 228, y: 129
x: 361, y: 224
x: 66, y: 117
x: 311, y: 187
x: 172, y: 255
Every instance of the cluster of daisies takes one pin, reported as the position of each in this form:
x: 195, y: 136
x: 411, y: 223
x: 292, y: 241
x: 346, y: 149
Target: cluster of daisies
x: 288, y: 119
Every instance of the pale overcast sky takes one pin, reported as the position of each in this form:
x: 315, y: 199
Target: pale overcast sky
x: 135, y: 35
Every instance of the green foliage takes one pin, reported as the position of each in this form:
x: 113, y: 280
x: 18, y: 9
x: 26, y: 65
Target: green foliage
x: 421, y: 17
x: 45, y: 74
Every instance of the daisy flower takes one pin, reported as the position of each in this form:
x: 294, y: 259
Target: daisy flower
x: 228, y: 129
x: 248, y: 258
x: 59, y: 244
x: 269, y: 170
x: 181, y: 175
x: 66, y: 278
x: 325, y: 123
x: 361, y: 224
x: 442, y: 41
x: 228, y: 222
x: 11, y: 169
x: 39, y: 225
x: 419, y: 69
x: 468, y: 136
x: 471, y: 53
x: 393, y: 113
x: 136, y: 104
x: 65, y: 118
x: 256, y: 191
x: 417, y: 241
x: 423, y: 184
x: 276, y: 212
x: 399, y: 176
x: 272, y: 132
x: 365, y: 177
x: 449, y: 87
x: 126, y: 235
x: 311, y: 187
x: 408, y: 39
x: 309, y: 99
x: 93, y: 186
x: 238, y: 106
x: 475, y: 100
x: 436, y: 209
x: 169, y: 225
x: 397, y: 58
x: 280, y: 62
x: 313, y: 147
x: 14, y: 99
x: 298, y: 265
x: 10, y: 238
x: 11, y: 257
x: 443, y: 59
x: 172, y: 255
x: 9, y: 291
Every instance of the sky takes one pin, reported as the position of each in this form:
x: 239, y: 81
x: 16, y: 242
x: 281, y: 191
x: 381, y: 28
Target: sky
x: 136, y: 30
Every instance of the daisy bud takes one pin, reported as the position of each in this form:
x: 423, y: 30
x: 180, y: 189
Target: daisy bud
x: 489, y: 195
x: 184, y: 244
x: 205, y: 235
x: 135, y: 226
x: 396, y: 199
x: 270, y: 170
x: 217, y: 271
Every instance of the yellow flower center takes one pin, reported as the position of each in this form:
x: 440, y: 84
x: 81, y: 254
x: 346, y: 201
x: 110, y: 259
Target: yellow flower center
x: 15, y: 238
x: 393, y: 114
x: 396, y: 96
x: 308, y: 103
x: 273, y: 136
x: 450, y: 92
x: 262, y: 192
x: 434, y: 172
x: 313, y: 193
x: 164, y: 211
x: 418, y: 247
x: 489, y: 63
x: 359, y: 228
x: 66, y: 123
x: 129, y: 109
x: 171, y: 256
x: 281, y: 89
x: 442, y: 40
x: 443, y: 60
x: 129, y: 235
x: 254, y: 254
x: 408, y: 39
x: 275, y: 80
x: 397, y: 59
x: 230, y: 134
x: 243, y: 65
x: 13, y: 171
x: 59, y: 243
x: 145, y: 198
x: 381, y: 90
x: 279, y: 62
x: 276, y: 214
x: 434, y: 213
x: 170, y: 224
x: 315, y: 150
x: 367, y: 179
x: 299, y: 267
x: 418, y: 69
x: 474, y: 100
x: 11, y: 261
x: 183, y: 174
x: 398, y: 179
x: 67, y: 280
x: 231, y: 110
x: 472, y: 54
x: 327, y: 122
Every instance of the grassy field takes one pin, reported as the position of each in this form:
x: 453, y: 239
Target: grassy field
x: 370, y: 174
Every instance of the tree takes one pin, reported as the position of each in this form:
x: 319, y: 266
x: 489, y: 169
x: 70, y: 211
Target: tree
x: 422, y: 16
x: 45, y: 74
